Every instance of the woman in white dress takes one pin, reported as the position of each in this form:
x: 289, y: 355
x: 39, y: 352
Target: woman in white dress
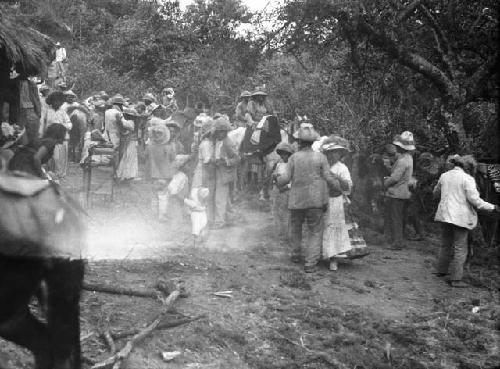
x: 56, y: 113
x: 341, y: 237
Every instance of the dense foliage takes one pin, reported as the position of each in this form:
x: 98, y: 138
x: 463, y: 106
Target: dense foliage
x: 364, y: 69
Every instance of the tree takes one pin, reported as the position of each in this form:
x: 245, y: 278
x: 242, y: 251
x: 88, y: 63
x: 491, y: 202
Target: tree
x: 449, y: 43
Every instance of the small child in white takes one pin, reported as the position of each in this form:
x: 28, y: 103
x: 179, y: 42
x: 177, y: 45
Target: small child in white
x: 196, y: 202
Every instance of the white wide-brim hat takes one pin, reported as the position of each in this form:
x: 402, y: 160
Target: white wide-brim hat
x: 405, y: 141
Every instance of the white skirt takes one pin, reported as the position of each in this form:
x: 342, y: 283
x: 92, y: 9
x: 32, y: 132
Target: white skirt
x: 336, y: 233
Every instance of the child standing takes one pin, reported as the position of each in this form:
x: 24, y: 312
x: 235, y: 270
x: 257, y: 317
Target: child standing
x: 280, y: 211
x: 160, y: 169
x: 196, y: 203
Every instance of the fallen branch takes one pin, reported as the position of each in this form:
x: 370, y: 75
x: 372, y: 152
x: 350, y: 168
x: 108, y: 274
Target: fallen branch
x: 110, y: 342
x: 165, y: 325
x: 117, y: 359
x: 116, y: 290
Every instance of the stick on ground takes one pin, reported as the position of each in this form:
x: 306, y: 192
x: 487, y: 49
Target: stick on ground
x: 116, y: 359
x: 116, y: 290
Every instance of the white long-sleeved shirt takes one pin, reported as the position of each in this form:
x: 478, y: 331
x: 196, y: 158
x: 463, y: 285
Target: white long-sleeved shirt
x: 459, y: 199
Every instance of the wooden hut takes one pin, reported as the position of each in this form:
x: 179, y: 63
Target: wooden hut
x: 24, y: 53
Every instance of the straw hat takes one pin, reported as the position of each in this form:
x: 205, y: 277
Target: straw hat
x: 118, y: 100
x: 149, y: 97
x: 168, y: 91
x: 405, y: 141
x: 306, y: 132
x: 335, y: 142
x: 69, y: 93
x: 245, y: 94
x: 258, y: 93
x: 284, y: 147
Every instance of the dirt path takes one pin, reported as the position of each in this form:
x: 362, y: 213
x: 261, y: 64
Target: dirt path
x: 384, y: 311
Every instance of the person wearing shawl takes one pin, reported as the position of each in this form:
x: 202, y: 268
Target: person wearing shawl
x: 128, y: 165
x: 222, y: 166
x: 279, y: 195
x: 397, y: 187
x: 456, y: 212
x: 341, y: 237
x: 309, y: 176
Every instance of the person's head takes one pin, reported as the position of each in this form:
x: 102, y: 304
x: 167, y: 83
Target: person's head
x: 130, y: 113
x: 467, y: 163
x: 306, y: 135
x: 174, y: 128
x: 221, y: 127
x: 70, y: 97
x: 44, y: 90
x: 160, y: 133
x: 56, y: 131
x: 284, y: 150
x: 245, y: 96
x: 140, y: 107
x: 148, y: 99
x: 168, y: 93
x: 55, y: 99
x: 259, y: 96
x: 390, y: 150
x: 335, y: 148
x: 118, y: 101
x: 404, y: 143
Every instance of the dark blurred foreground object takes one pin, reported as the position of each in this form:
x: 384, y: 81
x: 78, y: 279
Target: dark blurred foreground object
x: 43, y: 240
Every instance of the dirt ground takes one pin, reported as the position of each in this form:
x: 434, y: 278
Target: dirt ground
x: 383, y: 311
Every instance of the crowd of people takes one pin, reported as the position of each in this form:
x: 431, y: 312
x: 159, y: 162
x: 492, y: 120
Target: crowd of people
x: 195, y: 160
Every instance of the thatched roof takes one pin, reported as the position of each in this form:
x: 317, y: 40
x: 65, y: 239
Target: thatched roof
x: 27, y: 49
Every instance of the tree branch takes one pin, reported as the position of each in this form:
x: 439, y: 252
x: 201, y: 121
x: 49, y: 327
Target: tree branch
x: 443, y: 46
x: 409, y: 59
x: 477, y: 83
x: 407, y: 11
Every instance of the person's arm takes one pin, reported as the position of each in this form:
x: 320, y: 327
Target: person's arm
x: 473, y: 197
x: 331, y: 179
x: 436, y: 192
x: 38, y: 158
x: 232, y: 157
x: 396, y: 175
x: 287, y: 176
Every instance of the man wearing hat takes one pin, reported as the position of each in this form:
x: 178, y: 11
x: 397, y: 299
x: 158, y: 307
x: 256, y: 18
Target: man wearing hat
x: 113, y: 120
x: 225, y: 158
x: 397, y: 187
x: 257, y: 107
x: 241, y: 109
x: 309, y: 175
